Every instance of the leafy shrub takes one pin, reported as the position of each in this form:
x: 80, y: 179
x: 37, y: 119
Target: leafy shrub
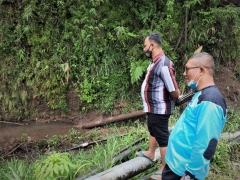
x: 55, y: 166
x: 221, y: 156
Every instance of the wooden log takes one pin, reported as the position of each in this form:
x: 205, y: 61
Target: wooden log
x: 114, y: 119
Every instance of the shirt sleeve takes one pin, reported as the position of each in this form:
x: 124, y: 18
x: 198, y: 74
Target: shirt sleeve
x: 168, y: 76
x: 209, y: 124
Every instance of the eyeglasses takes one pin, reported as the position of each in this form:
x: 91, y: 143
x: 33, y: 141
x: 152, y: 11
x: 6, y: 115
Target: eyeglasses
x: 187, y: 68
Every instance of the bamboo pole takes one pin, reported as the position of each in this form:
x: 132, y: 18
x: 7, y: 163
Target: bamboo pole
x: 114, y: 119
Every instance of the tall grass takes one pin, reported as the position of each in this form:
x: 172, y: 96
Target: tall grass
x: 16, y: 169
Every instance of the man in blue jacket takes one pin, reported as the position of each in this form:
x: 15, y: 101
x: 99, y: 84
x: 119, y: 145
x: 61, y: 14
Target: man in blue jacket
x: 194, y: 138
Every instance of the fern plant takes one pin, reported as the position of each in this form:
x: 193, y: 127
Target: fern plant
x: 137, y: 70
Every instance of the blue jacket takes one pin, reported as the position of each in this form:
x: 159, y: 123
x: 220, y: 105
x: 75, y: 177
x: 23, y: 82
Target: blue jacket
x: 194, y: 138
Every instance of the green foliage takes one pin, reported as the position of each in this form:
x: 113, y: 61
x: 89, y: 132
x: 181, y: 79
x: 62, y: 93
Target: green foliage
x: 94, y: 134
x: 221, y: 156
x: 138, y: 68
x: 15, y: 169
x: 74, y: 135
x: 23, y: 137
x: 233, y: 121
x: 175, y: 116
x: 53, y: 141
x: 49, y: 47
x: 55, y: 166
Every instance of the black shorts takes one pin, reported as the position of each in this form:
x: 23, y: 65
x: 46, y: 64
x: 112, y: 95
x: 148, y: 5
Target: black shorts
x: 158, y: 128
x: 168, y: 174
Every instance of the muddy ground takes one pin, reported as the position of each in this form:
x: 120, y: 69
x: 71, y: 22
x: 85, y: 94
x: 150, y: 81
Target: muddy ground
x: 21, y: 139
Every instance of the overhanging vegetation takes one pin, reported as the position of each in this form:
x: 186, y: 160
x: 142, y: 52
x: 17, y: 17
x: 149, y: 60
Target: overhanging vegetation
x: 95, y: 48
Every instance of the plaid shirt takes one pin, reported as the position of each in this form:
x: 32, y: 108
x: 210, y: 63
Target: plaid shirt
x: 159, y: 81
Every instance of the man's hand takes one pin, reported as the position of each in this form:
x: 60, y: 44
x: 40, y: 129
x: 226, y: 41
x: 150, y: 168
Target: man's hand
x: 183, y: 178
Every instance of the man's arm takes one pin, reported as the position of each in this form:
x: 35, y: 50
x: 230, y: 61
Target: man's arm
x: 175, y: 95
x: 168, y: 76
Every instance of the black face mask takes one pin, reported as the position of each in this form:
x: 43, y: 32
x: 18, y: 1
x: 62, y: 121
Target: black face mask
x: 148, y: 52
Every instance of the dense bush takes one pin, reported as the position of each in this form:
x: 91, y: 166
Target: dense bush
x: 95, y: 47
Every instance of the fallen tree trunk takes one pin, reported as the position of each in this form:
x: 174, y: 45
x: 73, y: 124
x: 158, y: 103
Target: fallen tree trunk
x: 114, y: 119
x: 127, y: 169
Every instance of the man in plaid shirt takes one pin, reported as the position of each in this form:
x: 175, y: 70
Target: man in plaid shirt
x: 159, y: 91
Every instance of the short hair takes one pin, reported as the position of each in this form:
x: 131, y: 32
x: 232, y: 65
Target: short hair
x: 203, y: 59
x: 156, y: 38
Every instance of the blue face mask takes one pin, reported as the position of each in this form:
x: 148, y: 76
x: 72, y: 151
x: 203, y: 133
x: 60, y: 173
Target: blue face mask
x: 192, y: 84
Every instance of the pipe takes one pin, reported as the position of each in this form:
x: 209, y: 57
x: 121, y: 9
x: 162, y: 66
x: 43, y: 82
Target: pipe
x: 114, y: 119
x: 6, y: 122
x: 83, y: 145
x: 122, y: 154
x: 115, y: 159
x: 127, y: 169
x: 230, y: 135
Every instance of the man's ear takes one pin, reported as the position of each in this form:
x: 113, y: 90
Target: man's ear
x: 202, y: 70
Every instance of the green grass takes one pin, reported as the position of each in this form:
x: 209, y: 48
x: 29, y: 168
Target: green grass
x: 16, y: 169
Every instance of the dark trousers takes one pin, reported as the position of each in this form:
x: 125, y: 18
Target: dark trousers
x: 168, y: 174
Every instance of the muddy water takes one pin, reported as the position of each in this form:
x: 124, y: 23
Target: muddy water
x: 9, y: 133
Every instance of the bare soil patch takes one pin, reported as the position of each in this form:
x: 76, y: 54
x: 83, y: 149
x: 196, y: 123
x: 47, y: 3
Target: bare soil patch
x: 228, y: 86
